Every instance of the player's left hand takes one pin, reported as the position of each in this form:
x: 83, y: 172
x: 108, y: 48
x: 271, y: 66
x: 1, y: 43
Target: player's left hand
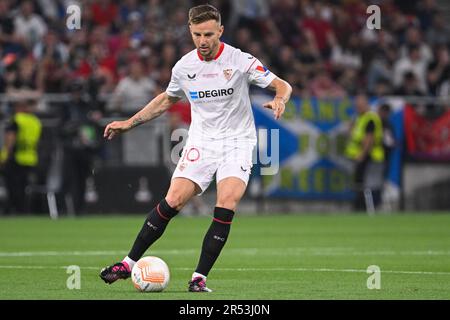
x: 277, y: 105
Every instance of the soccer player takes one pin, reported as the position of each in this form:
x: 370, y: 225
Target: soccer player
x: 215, y: 77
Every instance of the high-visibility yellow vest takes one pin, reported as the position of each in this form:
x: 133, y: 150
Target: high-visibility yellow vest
x: 27, y: 139
x: 354, y: 147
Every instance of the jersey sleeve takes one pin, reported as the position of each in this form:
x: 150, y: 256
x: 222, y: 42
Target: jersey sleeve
x: 258, y: 74
x: 174, y: 87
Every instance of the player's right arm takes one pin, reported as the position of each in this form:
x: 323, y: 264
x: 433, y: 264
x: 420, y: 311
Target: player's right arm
x: 153, y: 109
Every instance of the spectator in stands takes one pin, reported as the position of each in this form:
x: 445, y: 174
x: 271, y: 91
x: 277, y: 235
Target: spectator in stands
x: 51, y: 46
x: 439, y: 32
x: 426, y: 11
x: 19, y: 155
x: 323, y: 86
x: 52, y: 11
x: 77, y: 49
x: 347, y: 56
x: 439, y: 69
x: 381, y: 67
x: 51, y: 55
x: 168, y: 55
x: 285, y: 16
x: 285, y: 62
x: 126, y: 7
x: 99, y: 68
x: 7, y: 70
x: 382, y: 88
x: 136, y: 31
x: 8, y: 39
x: 252, y: 14
x: 411, y: 63
x: 332, y: 35
x: 243, y: 37
x: 399, y: 22
x: 414, y: 39
x: 163, y: 77
x: 346, y: 62
x: 409, y: 86
x: 348, y: 80
x: 29, y: 26
x: 23, y: 79
x: 132, y: 91
x: 316, y: 23
x: 357, y: 10
x: 104, y: 12
x: 178, y: 31
x: 309, y: 58
x: 444, y: 89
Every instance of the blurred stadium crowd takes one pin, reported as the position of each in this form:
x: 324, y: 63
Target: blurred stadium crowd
x: 123, y: 54
x: 127, y: 48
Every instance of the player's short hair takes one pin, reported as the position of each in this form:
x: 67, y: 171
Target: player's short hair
x: 202, y: 13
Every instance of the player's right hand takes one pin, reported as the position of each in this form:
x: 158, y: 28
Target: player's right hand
x: 277, y: 105
x: 115, y: 128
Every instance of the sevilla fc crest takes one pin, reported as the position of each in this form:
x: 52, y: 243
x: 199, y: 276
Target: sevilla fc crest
x: 228, y: 73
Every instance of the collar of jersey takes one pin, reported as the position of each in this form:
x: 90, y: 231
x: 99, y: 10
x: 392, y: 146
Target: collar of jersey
x: 222, y: 45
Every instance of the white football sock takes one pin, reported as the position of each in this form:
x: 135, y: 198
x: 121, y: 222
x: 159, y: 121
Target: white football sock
x: 130, y: 262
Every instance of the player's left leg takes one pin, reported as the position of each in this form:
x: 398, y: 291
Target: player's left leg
x: 229, y: 192
x: 181, y: 190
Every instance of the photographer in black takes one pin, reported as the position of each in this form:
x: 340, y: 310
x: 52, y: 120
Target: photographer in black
x: 81, y: 134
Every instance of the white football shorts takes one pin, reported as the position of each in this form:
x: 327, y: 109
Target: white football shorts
x: 200, y: 161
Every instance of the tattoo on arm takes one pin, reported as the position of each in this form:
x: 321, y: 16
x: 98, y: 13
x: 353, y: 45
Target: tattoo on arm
x: 137, y: 122
x: 153, y: 109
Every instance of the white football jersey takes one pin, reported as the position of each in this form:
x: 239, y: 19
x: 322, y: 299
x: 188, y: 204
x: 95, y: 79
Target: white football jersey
x: 218, y: 91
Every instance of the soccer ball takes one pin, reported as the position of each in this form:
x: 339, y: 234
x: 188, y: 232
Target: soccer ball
x: 150, y: 274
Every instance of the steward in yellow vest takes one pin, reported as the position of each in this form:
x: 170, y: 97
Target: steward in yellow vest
x: 366, y: 139
x: 365, y: 148
x: 19, y: 153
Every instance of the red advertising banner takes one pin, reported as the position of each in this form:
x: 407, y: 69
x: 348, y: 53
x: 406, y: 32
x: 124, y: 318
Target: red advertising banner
x: 427, y: 139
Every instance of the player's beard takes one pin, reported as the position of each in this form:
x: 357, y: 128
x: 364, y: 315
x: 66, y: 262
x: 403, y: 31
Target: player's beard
x: 208, y: 52
x: 205, y: 52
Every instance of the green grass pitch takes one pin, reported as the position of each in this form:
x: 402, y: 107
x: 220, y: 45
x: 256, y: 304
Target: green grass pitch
x: 267, y: 257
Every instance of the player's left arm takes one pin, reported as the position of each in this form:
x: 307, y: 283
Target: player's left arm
x: 283, y: 91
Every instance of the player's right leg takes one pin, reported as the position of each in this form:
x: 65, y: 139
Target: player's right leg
x: 181, y: 190
x: 229, y: 192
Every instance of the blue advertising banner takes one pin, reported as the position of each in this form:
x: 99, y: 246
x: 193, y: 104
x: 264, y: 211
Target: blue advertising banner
x: 312, y: 138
